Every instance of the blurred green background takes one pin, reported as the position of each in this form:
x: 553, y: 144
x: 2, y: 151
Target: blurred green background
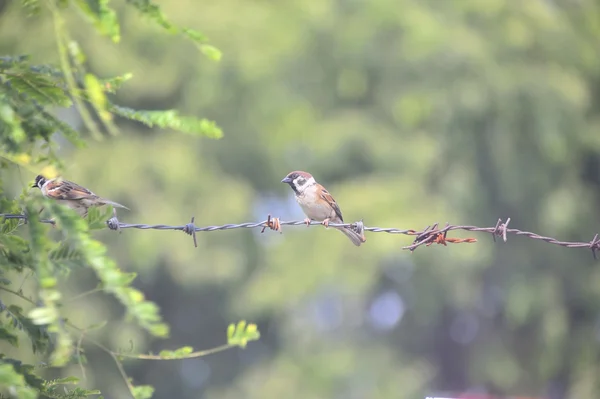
x: 409, y: 112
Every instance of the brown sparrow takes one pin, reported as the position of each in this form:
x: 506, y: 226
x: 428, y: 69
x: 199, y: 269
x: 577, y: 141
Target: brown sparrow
x: 73, y: 195
x: 318, y: 204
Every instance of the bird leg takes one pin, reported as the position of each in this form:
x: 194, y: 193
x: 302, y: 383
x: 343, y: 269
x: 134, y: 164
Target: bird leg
x: 325, y: 223
x: 307, y: 221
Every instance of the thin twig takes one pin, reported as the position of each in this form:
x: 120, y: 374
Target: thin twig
x: 84, y: 294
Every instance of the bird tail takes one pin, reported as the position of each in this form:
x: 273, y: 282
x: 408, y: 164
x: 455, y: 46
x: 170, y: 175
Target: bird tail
x: 356, y: 238
x: 115, y: 204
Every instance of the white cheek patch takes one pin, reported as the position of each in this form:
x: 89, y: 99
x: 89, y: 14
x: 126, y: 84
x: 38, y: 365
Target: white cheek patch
x: 301, y: 182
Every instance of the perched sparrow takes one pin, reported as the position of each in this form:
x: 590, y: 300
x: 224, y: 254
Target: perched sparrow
x: 71, y: 194
x: 318, y: 204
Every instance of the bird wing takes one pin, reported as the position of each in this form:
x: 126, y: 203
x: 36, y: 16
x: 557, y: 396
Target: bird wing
x: 324, y: 194
x: 67, y: 190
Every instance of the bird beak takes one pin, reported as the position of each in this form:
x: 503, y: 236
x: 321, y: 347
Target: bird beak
x: 286, y: 180
x: 34, y: 185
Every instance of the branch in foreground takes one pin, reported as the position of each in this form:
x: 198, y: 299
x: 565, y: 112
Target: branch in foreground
x: 238, y: 335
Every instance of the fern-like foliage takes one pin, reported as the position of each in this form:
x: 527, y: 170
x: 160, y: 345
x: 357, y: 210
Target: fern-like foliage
x: 154, y: 13
x: 30, y: 247
x: 171, y: 120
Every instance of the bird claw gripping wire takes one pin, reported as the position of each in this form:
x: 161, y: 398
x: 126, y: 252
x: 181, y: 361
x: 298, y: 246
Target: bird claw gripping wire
x: 190, y: 229
x: 272, y: 223
x: 359, y: 228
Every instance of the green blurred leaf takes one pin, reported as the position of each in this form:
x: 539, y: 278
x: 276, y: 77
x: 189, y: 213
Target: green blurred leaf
x: 111, y: 85
x: 172, y: 120
x: 153, y: 12
x: 97, y: 217
x: 10, y: 378
x: 43, y: 315
x: 242, y: 333
x: 96, y: 97
x: 102, y: 16
x: 8, y: 336
x: 10, y: 117
x: 142, y: 391
x: 177, y: 353
x: 114, y: 280
x: 211, y: 52
x: 39, y: 87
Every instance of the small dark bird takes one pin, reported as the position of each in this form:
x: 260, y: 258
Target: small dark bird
x: 71, y: 194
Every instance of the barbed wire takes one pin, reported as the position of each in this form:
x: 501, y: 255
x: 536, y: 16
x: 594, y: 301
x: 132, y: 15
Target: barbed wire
x: 427, y: 236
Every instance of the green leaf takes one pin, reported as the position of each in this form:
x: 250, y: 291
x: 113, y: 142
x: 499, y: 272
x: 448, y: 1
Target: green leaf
x: 111, y: 85
x: 8, y: 336
x: 47, y: 314
x: 9, y: 225
x: 97, y: 217
x: 96, y: 96
x: 37, y: 334
x: 177, y: 353
x: 194, y: 35
x: 211, y: 52
x: 66, y: 380
x: 63, y: 252
x: 11, y: 118
x: 32, y: 7
x: 48, y: 282
x: 113, y: 280
x: 142, y: 391
x: 39, y: 87
x: 172, y: 120
x: 242, y: 333
x: 11, y: 379
x: 102, y: 16
x: 153, y: 12
x: 43, y: 315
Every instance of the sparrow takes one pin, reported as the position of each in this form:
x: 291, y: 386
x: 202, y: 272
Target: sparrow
x: 317, y: 204
x: 71, y: 194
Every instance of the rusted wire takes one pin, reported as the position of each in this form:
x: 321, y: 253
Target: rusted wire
x: 428, y: 236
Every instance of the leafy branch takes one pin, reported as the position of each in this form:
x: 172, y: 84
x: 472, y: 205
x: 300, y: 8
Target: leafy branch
x: 30, y: 95
x: 238, y: 335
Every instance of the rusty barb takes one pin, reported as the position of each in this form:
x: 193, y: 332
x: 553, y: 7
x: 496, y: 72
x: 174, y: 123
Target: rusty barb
x: 428, y: 236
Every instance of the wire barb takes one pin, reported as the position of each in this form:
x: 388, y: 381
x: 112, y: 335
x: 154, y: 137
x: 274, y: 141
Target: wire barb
x: 113, y: 223
x: 595, y: 245
x: 273, y: 224
x: 359, y: 227
x: 500, y: 229
x: 190, y: 229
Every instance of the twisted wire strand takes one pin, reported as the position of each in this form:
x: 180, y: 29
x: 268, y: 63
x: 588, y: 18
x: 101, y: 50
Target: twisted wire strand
x: 427, y: 236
